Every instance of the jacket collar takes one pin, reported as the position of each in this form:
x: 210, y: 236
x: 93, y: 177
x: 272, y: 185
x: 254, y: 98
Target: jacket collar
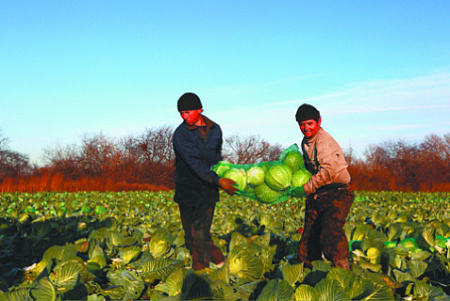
x: 208, y: 122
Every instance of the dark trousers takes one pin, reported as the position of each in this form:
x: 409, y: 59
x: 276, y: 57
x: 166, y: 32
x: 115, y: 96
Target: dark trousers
x: 325, y: 217
x: 197, y: 223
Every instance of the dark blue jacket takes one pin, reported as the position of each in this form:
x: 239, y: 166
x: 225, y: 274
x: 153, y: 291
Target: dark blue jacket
x: 195, y: 182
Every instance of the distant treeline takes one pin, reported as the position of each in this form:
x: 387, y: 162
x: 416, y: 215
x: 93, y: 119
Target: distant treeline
x: 146, y: 162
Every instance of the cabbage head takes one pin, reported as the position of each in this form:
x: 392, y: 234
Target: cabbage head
x: 390, y: 244
x: 300, y: 177
x: 441, y: 242
x: 239, y: 176
x: 294, y: 160
x: 160, y: 242
x: 221, y: 168
x: 410, y: 244
x: 265, y: 194
x: 244, y: 264
x: 374, y: 255
x: 278, y: 177
x: 255, y: 176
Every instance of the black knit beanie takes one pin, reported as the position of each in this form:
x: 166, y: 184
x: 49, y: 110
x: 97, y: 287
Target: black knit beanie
x: 306, y: 112
x: 189, y: 101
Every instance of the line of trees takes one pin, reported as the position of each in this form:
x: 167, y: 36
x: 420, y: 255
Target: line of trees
x: 399, y: 165
x: 146, y: 162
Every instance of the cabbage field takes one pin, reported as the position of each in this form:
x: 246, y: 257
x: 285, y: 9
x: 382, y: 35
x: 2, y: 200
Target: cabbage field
x: 130, y: 246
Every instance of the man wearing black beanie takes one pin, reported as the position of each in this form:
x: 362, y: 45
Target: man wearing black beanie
x: 197, y: 142
x: 329, y: 196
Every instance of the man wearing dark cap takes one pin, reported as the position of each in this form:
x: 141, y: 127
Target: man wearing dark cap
x: 197, y: 142
x: 329, y: 196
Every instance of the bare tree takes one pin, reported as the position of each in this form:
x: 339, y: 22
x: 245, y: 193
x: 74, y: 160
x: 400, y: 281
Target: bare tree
x: 3, y: 141
x: 380, y: 177
x: 131, y: 159
x: 250, y: 150
x: 405, y: 165
x: 350, y: 156
x: 64, y: 160
x: 12, y: 163
x: 156, y: 145
x: 435, y: 160
x: 99, y: 155
x: 156, y: 154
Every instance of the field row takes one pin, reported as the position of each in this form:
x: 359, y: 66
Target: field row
x: 104, y: 246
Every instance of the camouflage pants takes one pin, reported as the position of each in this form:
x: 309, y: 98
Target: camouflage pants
x: 323, y: 232
x: 197, y: 223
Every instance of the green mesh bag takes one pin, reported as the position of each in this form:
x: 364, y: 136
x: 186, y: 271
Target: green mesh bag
x: 267, y: 182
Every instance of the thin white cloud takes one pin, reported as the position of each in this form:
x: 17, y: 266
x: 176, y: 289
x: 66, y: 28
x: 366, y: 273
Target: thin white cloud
x: 411, y: 126
x: 366, y: 112
x: 379, y: 95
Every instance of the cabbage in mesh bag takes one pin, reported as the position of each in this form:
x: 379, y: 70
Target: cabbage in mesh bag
x: 239, y: 175
x: 267, y: 182
x: 278, y: 177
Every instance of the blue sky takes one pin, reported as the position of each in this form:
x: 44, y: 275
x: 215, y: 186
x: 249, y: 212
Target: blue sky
x: 377, y: 70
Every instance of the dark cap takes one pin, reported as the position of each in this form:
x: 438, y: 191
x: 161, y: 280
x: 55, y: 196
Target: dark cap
x: 306, y: 112
x: 189, y: 101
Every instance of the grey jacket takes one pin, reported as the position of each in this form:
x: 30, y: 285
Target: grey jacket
x: 325, y: 160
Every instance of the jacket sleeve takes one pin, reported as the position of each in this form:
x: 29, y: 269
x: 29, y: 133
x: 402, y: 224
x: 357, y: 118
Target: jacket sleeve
x: 218, y: 156
x: 323, y: 175
x: 188, y: 152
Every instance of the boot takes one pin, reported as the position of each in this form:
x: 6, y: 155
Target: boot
x: 216, y: 256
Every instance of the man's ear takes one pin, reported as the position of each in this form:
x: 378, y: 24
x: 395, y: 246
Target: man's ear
x: 320, y: 121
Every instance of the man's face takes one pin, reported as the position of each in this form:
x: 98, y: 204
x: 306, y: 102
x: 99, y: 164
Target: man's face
x: 310, y: 127
x: 191, y: 117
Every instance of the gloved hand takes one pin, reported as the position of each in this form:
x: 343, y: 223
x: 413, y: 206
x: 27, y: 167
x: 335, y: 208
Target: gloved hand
x: 228, y: 185
x: 297, y: 192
